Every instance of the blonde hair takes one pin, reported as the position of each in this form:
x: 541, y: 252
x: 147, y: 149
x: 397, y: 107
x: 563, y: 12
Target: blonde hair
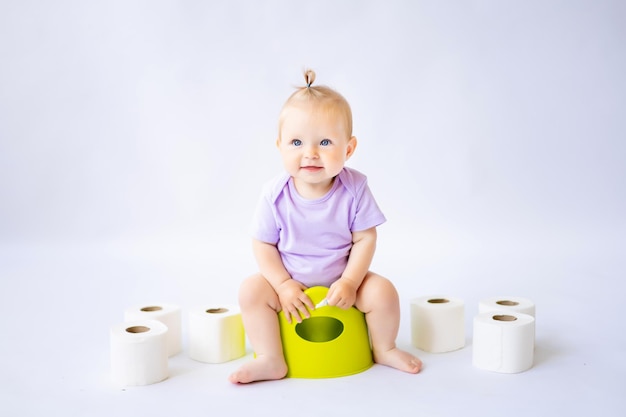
x: 324, y: 98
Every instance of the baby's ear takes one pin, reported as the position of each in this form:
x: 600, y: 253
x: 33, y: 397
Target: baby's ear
x: 278, y: 142
x: 351, y: 147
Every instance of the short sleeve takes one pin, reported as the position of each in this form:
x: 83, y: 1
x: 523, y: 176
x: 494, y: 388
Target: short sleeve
x: 263, y: 226
x: 368, y: 214
x: 365, y: 212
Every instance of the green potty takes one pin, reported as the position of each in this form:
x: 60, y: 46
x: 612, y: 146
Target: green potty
x: 331, y: 343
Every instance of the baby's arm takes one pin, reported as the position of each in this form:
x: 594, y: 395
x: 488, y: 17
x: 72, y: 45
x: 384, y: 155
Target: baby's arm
x: 342, y: 293
x: 290, y: 292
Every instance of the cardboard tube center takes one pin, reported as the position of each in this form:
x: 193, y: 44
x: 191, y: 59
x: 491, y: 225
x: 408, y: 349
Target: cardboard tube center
x: 219, y: 310
x: 438, y: 301
x: 507, y: 303
x: 152, y: 308
x: 504, y: 317
x: 138, y: 329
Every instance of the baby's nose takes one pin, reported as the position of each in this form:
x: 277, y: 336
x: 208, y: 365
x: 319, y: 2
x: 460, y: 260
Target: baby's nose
x: 311, y: 152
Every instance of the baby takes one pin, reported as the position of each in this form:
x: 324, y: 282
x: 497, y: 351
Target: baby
x: 316, y: 225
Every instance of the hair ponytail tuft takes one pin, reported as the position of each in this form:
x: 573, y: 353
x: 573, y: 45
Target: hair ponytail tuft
x: 309, y: 77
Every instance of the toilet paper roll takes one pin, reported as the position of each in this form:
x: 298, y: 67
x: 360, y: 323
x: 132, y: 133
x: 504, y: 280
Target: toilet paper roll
x: 168, y: 314
x: 507, y: 304
x: 503, y: 341
x: 437, y: 323
x: 139, y: 352
x: 216, y: 334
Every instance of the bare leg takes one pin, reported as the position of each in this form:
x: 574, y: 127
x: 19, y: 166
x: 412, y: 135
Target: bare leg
x: 378, y: 299
x: 259, y: 306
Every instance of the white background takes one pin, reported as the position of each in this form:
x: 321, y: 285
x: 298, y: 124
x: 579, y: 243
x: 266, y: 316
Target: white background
x: 135, y: 137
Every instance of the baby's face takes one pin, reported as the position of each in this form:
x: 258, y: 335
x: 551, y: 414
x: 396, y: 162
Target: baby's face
x: 314, y: 145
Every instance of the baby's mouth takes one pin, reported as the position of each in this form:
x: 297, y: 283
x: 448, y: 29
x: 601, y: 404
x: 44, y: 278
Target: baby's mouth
x: 311, y: 168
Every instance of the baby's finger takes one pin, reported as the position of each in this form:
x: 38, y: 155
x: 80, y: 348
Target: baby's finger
x: 330, y: 295
x: 295, y: 313
x: 303, y: 311
x: 287, y: 315
x: 308, y: 302
x: 291, y: 314
x: 335, y: 300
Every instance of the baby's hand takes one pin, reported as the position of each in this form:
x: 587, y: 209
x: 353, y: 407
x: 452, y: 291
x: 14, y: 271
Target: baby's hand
x: 294, y: 301
x: 342, y: 293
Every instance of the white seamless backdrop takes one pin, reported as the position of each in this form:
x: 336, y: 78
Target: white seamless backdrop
x: 135, y: 137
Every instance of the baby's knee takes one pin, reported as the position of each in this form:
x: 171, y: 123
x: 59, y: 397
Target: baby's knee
x: 255, y: 290
x: 375, y: 290
x: 377, y: 285
x: 247, y: 290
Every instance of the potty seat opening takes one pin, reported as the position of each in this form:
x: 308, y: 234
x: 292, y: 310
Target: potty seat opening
x: 320, y: 329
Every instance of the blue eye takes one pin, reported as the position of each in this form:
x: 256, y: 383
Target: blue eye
x: 325, y: 142
x: 296, y: 142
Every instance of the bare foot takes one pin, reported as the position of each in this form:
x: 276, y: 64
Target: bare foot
x: 399, y: 359
x: 260, y: 369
